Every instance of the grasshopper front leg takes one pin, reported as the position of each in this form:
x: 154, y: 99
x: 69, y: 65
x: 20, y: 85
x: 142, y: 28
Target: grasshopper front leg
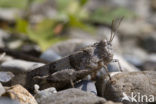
x: 106, y: 69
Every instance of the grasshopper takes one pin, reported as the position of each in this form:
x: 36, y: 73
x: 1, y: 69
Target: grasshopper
x: 91, y: 59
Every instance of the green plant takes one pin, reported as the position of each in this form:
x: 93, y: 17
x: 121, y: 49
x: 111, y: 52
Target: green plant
x: 48, y: 31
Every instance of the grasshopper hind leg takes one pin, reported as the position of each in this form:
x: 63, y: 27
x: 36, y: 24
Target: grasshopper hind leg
x: 72, y: 83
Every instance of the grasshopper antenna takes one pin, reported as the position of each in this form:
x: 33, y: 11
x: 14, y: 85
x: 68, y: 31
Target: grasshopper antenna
x: 111, y: 31
x: 114, y: 27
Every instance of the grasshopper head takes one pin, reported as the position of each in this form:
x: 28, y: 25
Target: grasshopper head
x: 104, y: 51
x: 106, y: 45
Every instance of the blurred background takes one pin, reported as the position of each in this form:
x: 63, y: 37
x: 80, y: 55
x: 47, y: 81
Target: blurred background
x: 51, y: 29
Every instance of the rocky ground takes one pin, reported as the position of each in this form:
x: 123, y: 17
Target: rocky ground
x: 75, y: 71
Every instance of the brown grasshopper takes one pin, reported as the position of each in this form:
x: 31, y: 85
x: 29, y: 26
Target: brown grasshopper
x: 91, y: 59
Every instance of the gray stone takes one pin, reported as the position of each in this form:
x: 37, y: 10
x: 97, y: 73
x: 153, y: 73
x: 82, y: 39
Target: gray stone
x: 87, y: 85
x: 133, y: 60
x: 139, y: 27
x: 8, y: 14
x: 5, y: 100
x: 150, y: 63
x: 135, y: 57
x: 73, y: 96
x: 6, y: 77
x: 50, y: 55
x: 149, y: 66
x: 14, y: 44
x: 148, y: 42
x: 41, y: 95
x: 18, y: 66
x: 126, y: 67
x: 152, y: 57
x: 126, y: 83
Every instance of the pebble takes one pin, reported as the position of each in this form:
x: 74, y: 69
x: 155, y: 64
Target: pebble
x: 41, y: 95
x: 14, y: 44
x: 50, y: 55
x: 19, y: 93
x: 148, y: 42
x: 139, y: 28
x: 5, y: 100
x: 149, y: 66
x: 87, y: 85
x: 73, y: 96
x: 150, y: 63
x: 142, y: 83
x: 126, y: 67
x: 137, y: 52
x: 17, y: 66
x: 133, y: 60
x: 6, y: 77
x: 8, y: 14
x: 135, y: 57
